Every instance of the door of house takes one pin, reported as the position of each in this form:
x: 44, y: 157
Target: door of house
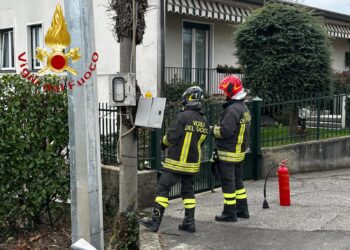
x: 195, y: 40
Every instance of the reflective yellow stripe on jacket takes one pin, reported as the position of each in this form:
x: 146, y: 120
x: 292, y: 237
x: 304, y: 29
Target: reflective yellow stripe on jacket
x: 166, y: 142
x: 237, y: 156
x: 230, y: 156
x: 186, y: 147
x: 240, y: 138
x: 182, y: 165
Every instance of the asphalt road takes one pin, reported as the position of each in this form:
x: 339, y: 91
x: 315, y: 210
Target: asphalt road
x: 319, y: 217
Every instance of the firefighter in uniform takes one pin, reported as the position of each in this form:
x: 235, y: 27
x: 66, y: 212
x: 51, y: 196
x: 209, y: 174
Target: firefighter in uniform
x: 231, y: 143
x: 183, y: 140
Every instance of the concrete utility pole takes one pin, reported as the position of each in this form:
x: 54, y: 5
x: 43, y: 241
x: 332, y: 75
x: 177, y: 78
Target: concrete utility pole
x: 128, y: 167
x: 84, y: 138
x: 161, y: 48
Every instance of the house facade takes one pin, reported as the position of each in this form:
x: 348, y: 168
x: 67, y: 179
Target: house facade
x: 198, y: 36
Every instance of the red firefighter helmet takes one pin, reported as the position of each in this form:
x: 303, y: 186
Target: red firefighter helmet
x: 232, y: 87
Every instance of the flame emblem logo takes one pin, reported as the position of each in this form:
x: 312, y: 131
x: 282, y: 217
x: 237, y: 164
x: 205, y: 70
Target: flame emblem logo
x: 57, y: 38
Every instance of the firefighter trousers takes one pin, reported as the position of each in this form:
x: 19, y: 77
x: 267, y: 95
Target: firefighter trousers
x: 169, y: 179
x: 231, y: 175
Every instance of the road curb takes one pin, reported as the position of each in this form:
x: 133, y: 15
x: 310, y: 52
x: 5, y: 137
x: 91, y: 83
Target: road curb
x: 148, y: 240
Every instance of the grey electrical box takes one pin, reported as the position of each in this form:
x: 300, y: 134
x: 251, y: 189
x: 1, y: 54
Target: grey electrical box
x: 150, y: 112
x: 122, y: 90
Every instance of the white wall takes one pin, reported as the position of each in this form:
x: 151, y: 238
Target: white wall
x: 147, y: 52
x: 18, y: 14
x: 173, y: 41
x: 221, y: 41
x: 340, y: 46
x: 224, y: 48
x: 106, y: 46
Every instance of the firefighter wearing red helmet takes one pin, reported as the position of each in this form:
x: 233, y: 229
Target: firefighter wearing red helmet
x: 231, y: 143
x: 183, y: 140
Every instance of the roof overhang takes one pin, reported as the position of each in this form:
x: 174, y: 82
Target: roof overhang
x: 208, y: 9
x: 219, y: 10
x: 337, y: 31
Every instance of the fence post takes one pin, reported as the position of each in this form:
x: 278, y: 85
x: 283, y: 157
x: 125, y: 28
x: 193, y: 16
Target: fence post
x: 318, y: 121
x: 256, y: 136
x: 155, y: 149
x: 343, y: 111
x: 210, y: 139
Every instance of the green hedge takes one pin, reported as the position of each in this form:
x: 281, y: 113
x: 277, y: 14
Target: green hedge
x: 228, y: 69
x: 285, y: 53
x: 173, y: 91
x: 34, y: 172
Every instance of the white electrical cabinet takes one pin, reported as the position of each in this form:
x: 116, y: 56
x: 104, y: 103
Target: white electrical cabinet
x: 122, y: 89
x: 150, y: 112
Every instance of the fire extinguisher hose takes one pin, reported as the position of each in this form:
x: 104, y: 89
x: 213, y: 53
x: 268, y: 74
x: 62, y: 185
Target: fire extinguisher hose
x: 265, y: 204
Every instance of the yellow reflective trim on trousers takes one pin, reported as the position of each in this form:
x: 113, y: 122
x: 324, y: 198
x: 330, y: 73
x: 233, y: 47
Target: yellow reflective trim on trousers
x: 186, y: 147
x: 186, y: 201
x: 240, y: 138
x: 200, y: 141
x: 189, y: 203
x: 240, y: 191
x: 227, y: 195
x: 166, y: 142
x: 163, y: 201
x: 216, y: 131
x: 233, y: 202
x: 241, y: 196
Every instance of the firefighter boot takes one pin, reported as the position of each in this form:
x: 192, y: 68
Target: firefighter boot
x: 154, y: 222
x: 188, y: 223
x: 242, y: 208
x: 229, y: 214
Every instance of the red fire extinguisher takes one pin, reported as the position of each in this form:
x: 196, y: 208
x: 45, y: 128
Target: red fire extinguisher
x: 283, y: 182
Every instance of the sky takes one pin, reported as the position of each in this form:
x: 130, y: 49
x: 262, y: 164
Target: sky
x: 341, y: 6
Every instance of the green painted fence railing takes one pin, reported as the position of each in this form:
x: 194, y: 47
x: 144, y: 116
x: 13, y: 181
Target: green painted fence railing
x: 273, y: 124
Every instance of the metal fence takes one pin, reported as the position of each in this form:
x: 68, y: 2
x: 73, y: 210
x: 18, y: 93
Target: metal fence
x: 305, y: 120
x: 207, y: 78
x: 109, y: 133
x: 273, y: 124
x: 109, y: 136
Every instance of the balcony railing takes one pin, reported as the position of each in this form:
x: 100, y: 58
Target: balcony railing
x: 206, y: 78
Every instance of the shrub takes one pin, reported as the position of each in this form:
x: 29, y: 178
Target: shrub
x: 341, y: 82
x: 285, y: 53
x: 228, y: 69
x: 126, y: 232
x: 34, y: 170
x: 175, y: 89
